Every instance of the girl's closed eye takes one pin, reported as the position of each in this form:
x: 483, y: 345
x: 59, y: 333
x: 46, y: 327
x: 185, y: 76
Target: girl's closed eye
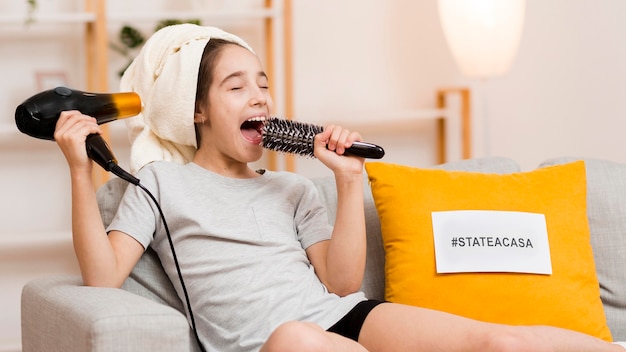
x: 263, y: 82
x: 235, y: 84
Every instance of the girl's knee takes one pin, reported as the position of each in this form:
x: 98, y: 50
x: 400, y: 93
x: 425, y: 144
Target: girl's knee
x: 296, y: 336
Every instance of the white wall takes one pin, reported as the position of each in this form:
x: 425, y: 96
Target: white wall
x: 352, y: 58
x: 565, y: 92
x: 357, y: 59
x: 562, y: 96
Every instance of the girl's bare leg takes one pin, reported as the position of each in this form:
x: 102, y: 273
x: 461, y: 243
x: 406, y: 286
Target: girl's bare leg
x: 308, y: 337
x: 395, y: 327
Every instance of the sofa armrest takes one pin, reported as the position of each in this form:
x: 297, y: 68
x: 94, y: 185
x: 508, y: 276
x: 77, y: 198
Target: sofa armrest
x: 59, y: 314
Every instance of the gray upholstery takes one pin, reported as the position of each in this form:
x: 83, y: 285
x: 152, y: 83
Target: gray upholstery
x: 59, y: 314
x: 606, y: 211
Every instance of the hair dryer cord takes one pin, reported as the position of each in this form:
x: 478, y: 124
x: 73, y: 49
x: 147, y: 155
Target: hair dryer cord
x: 99, y: 151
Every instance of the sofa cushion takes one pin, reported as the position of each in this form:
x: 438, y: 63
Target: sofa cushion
x: 405, y: 198
x: 374, y: 279
x: 606, y: 211
x: 148, y: 278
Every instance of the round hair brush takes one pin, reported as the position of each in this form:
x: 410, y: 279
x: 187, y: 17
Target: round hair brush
x: 297, y: 138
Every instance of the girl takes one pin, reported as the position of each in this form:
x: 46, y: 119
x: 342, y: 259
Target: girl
x: 263, y: 269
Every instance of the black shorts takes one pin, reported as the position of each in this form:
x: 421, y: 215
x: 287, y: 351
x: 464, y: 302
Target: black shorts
x: 350, y: 325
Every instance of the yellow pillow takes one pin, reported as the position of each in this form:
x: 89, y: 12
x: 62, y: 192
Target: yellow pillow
x: 569, y: 298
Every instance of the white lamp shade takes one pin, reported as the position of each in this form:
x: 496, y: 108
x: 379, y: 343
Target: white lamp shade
x: 483, y: 35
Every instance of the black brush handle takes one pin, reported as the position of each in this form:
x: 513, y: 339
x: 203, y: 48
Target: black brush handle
x: 365, y: 150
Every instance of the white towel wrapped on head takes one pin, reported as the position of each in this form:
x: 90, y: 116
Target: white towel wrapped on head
x: 165, y: 75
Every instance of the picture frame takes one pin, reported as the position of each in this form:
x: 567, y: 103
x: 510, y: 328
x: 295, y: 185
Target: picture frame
x: 50, y: 79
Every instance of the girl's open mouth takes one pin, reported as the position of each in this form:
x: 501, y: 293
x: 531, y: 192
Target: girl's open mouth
x: 252, y: 130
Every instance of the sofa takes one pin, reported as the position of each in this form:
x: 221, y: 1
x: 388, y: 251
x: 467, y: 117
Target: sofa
x: 60, y: 314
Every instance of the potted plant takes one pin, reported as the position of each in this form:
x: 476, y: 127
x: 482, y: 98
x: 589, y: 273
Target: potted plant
x: 30, y: 10
x: 131, y: 40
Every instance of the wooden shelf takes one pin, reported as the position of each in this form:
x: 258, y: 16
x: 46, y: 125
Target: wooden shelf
x: 8, y: 130
x: 453, y: 121
x: 35, y: 240
x: 50, y: 18
x: 11, y: 139
x: 217, y: 15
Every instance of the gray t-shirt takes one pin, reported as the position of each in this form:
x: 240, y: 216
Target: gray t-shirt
x: 241, y: 247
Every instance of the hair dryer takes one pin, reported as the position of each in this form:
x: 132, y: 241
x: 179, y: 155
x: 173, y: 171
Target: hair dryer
x: 37, y: 117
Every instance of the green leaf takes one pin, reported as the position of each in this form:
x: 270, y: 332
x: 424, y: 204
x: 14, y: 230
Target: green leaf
x: 170, y: 22
x: 131, y: 37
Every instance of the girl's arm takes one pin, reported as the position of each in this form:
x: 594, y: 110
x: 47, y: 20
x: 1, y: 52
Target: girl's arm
x: 103, y: 260
x: 340, y: 262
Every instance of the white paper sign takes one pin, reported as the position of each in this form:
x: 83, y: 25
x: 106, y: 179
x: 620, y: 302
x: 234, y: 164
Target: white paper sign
x: 491, y: 241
